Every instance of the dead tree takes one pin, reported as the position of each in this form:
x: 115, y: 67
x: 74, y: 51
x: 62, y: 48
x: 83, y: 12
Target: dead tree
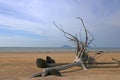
x: 82, y: 57
x: 81, y: 46
x: 81, y: 53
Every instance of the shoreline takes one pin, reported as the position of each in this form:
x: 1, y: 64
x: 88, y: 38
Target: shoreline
x: 54, y: 49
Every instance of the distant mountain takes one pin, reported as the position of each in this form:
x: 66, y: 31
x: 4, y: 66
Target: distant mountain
x: 89, y: 47
x: 66, y: 46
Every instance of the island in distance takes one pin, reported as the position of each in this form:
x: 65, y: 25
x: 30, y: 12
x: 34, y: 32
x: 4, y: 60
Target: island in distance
x: 66, y: 46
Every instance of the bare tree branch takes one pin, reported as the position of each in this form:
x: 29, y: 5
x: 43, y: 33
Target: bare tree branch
x: 84, y: 29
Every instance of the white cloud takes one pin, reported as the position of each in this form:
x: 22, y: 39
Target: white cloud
x: 36, y: 16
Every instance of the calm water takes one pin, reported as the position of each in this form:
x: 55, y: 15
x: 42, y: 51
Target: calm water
x: 51, y: 49
x: 35, y: 49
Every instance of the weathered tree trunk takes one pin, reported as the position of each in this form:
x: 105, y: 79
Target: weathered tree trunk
x: 81, y: 55
x: 56, y: 64
x: 46, y: 71
x: 59, y: 68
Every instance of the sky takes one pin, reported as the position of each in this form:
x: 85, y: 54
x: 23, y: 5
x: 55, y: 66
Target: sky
x: 28, y: 23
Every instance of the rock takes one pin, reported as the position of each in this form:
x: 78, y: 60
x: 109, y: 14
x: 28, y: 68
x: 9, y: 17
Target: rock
x: 41, y: 63
x: 49, y: 60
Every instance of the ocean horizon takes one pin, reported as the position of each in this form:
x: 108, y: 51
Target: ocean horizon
x: 35, y: 49
x: 54, y: 49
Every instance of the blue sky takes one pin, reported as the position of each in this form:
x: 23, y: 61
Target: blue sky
x: 28, y: 23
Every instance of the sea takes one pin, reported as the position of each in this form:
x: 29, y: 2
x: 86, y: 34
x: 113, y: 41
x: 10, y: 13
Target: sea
x: 53, y: 49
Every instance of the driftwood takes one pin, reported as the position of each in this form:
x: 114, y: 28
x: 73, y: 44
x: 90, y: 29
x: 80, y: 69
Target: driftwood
x: 58, y: 68
x: 82, y: 58
x: 41, y: 63
x: 81, y: 50
x: 63, y: 66
x: 49, y: 59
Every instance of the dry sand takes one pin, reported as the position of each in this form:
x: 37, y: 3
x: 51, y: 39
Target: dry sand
x: 20, y: 65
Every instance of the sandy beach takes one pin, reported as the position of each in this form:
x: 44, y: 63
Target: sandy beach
x: 20, y: 65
